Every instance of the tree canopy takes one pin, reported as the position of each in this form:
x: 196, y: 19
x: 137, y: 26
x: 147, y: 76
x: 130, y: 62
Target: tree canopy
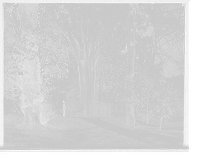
x: 119, y: 51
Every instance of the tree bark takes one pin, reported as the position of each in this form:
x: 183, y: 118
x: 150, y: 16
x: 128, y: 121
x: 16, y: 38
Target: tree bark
x: 131, y: 26
x: 154, y: 36
x: 8, y: 29
x: 64, y: 109
x: 86, y: 49
x: 161, y: 121
x: 147, y: 117
x: 133, y: 112
x: 31, y: 93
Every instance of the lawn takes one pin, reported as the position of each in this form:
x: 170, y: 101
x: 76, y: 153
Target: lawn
x: 120, y: 121
x: 62, y: 132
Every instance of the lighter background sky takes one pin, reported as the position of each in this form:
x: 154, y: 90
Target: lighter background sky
x: 174, y: 51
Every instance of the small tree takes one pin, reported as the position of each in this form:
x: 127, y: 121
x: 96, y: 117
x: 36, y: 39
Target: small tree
x: 168, y: 97
x: 130, y: 65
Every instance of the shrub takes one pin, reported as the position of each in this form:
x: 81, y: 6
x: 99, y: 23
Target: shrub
x: 48, y: 112
x: 102, y: 108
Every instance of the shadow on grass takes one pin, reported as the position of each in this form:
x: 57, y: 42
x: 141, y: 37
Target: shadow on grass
x: 68, y: 123
x: 84, y: 134
x: 15, y: 132
x: 143, y: 127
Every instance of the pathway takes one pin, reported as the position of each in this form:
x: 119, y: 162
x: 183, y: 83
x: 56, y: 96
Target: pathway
x: 149, y: 138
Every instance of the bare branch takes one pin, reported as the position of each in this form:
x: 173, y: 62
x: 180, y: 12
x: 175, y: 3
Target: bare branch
x: 65, y: 19
x: 173, y: 22
x: 72, y: 42
x: 70, y: 15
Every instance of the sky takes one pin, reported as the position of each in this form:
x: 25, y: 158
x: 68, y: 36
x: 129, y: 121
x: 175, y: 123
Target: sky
x: 177, y: 53
x: 174, y: 51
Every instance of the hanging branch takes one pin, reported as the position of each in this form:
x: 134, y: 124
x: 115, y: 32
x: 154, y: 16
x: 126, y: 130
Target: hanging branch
x: 70, y: 15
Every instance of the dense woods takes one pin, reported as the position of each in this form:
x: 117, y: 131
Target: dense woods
x: 121, y: 62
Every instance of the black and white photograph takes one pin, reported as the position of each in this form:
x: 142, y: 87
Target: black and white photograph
x: 94, y: 76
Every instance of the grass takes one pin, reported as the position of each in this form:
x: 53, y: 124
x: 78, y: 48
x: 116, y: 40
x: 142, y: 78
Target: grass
x: 166, y: 124
x: 68, y: 123
x: 120, y: 121
x: 62, y: 132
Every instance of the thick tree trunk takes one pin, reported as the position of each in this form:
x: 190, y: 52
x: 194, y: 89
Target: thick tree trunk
x: 64, y: 109
x: 161, y: 121
x: 154, y: 50
x: 28, y: 17
x: 82, y: 84
x: 130, y: 60
x: 96, y: 89
x: 147, y: 118
x: 97, y: 83
x: 85, y: 52
x: 87, y: 86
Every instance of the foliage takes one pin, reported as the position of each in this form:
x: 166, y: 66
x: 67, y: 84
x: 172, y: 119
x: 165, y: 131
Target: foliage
x: 11, y: 68
x: 168, y: 23
x: 47, y: 112
x: 31, y: 66
x: 168, y: 97
x: 112, y: 66
x: 102, y: 108
x: 69, y: 42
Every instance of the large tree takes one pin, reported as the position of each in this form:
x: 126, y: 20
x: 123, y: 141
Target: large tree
x: 131, y: 26
x: 86, y: 49
x: 31, y: 97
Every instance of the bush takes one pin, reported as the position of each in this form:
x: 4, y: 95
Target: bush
x: 48, y: 112
x: 102, y: 108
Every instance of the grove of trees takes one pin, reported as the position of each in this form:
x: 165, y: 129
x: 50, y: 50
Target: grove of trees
x: 126, y: 60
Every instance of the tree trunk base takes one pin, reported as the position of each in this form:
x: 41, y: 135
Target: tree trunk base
x: 31, y: 119
x: 130, y: 121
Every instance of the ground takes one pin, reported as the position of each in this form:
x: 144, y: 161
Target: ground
x: 86, y: 133
x: 62, y: 132
x: 172, y: 129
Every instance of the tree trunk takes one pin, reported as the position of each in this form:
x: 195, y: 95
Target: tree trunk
x: 96, y: 90
x: 64, y: 109
x: 90, y: 87
x: 133, y: 112
x: 161, y: 121
x: 102, y: 93
x: 86, y: 51
x: 131, y: 26
x: 147, y: 119
x: 82, y: 84
x: 28, y: 17
x: 154, y: 36
x: 87, y: 77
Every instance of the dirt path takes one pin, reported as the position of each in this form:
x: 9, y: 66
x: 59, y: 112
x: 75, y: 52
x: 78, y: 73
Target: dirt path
x: 148, y: 138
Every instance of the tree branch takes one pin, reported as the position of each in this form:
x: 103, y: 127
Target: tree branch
x: 70, y: 15
x: 172, y: 22
x: 72, y: 42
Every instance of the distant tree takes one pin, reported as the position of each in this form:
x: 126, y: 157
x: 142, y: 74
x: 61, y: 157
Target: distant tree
x: 64, y: 108
x: 130, y: 65
x: 30, y: 83
x: 85, y: 47
x: 169, y: 38
x: 168, y: 102
x: 10, y: 39
x: 32, y: 64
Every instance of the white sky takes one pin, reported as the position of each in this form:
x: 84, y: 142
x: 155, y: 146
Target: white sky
x: 175, y: 52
